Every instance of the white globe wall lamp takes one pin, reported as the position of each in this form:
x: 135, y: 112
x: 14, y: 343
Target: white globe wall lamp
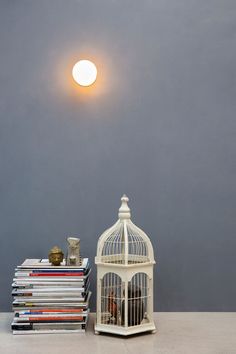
x: 84, y: 72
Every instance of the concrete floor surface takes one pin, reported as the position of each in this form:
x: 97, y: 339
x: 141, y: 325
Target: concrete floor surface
x: 177, y: 332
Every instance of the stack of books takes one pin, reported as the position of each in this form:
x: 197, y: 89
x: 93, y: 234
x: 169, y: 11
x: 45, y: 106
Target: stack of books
x: 50, y: 299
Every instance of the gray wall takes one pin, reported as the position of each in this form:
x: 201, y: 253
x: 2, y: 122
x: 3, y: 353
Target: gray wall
x: 159, y: 125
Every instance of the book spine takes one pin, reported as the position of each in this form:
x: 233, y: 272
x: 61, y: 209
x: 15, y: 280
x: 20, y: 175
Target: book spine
x: 50, y: 318
x: 55, y: 274
x: 48, y: 311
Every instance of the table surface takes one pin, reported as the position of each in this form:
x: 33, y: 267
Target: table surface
x: 177, y: 332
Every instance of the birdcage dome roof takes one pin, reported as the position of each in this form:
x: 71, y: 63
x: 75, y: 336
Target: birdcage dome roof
x: 124, y: 243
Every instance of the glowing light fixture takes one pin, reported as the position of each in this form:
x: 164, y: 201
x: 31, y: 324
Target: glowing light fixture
x: 84, y: 72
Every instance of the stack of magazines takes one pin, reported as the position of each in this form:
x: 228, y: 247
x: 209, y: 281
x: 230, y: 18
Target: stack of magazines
x: 50, y: 299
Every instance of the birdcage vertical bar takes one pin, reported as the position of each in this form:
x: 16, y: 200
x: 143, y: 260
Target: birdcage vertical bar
x: 150, y: 298
x: 142, y: 297
x: 114, y: 294
x: 126, y: 240
x: 98, y: 299
x: 110, y: 293
x: 126, y: 305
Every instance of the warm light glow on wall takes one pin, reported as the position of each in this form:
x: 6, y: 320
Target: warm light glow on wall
x: 84, y: 72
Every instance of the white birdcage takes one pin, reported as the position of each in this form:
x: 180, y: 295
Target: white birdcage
x: 124, y: 278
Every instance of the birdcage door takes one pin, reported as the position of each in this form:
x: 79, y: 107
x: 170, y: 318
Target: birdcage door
x: 112, y: 289
x: 138, y: 298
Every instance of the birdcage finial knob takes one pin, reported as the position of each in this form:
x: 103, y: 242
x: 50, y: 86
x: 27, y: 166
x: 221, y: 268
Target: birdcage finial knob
x: 124, y: 211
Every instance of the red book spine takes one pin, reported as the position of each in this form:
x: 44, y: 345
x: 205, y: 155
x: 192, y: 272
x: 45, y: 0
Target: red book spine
x: 56, y: 318
x: 58, y: 310
x: 55, y: 274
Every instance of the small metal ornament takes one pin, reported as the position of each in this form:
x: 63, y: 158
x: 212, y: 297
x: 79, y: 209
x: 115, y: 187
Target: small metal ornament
x: 73, y: 254
x: 55, y: 256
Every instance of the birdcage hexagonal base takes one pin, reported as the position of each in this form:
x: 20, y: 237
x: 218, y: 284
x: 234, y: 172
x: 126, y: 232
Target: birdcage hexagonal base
x: 125, y: 331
